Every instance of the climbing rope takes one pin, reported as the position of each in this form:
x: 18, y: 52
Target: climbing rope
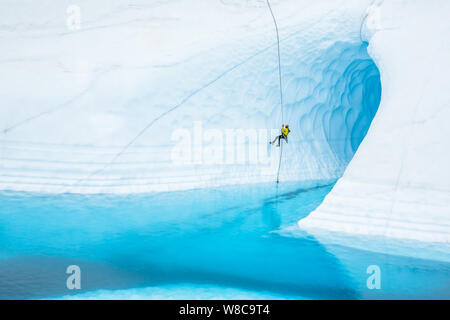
x: 279, y: 60
x: 281, y: 86
x: 279, y: 162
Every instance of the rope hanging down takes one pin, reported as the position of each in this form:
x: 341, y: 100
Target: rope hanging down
x: 281, y: 87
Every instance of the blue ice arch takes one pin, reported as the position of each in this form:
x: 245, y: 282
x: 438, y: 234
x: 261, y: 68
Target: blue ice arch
x: 331, y: 97
x: 353, y: 81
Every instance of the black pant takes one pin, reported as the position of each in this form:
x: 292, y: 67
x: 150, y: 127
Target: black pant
x: 281, y: 136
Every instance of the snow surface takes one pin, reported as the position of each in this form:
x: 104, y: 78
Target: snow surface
x: 398, y: 183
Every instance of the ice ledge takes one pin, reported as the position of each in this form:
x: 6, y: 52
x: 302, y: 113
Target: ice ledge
x: 388, y: 210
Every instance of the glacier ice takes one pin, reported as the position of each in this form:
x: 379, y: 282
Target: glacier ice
x: 398, y: 183
x: 93, y: 110
x: 178, y: 292
x: 103, y: 102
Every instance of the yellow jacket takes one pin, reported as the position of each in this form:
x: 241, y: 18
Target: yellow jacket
x: 285, y: 131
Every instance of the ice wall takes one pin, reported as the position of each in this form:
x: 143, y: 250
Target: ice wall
x: 398, y: 183
x: 135, y: 96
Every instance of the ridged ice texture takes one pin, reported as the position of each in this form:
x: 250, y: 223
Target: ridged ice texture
x: 93, y: 110
x: 398, y: 183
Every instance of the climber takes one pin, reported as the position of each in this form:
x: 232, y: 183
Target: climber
x: 284, y: 134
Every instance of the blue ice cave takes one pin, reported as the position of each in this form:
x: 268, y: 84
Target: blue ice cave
x: 331, y: 97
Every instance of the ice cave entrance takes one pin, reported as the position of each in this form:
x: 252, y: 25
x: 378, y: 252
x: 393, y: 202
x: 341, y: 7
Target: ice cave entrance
x: 336, y: 101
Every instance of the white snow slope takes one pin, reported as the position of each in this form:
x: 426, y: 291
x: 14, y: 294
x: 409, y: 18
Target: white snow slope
x: 398, y: 183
